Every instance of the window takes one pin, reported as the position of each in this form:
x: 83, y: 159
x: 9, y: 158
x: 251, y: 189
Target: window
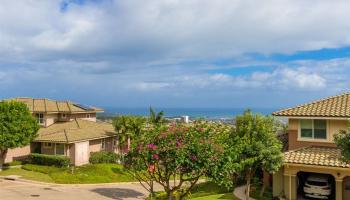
x: 64, y: 116
x: 88, y: 116
x: 40, y: 117
x: 60, y: 149
x: 103, y: 144
x: 313, y: 128
x: 47, y: 145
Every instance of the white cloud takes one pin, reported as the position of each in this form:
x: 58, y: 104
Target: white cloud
x: 171, y: 29
x: 118, y: 48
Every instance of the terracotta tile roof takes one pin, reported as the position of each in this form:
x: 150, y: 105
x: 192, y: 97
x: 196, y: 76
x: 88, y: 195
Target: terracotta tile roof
x: 52, y: 106
x: 76, y: 130
x: 334, y: 106
x: 321, y: 156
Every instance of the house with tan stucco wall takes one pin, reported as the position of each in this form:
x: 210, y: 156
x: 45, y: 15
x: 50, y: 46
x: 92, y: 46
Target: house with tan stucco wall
x: 311, y: 149
x: 68, y: 129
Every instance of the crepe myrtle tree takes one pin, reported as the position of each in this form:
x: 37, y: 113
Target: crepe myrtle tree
x: 17, y: 127
x: 174, y: 156
x: 252, y: 145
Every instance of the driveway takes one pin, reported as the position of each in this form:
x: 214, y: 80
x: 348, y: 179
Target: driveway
x: 13, y: 190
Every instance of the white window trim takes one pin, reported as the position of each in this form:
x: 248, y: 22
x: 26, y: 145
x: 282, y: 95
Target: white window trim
x: 304, y: 139
x: 43, y: 118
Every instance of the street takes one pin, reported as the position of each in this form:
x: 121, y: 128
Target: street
x: 13, y: 190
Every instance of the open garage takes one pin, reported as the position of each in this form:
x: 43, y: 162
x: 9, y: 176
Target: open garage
x: 320, y: 163
x: 315, y: 186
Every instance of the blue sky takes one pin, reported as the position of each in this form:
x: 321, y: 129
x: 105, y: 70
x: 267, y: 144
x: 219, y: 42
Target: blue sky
x: 172, y: 53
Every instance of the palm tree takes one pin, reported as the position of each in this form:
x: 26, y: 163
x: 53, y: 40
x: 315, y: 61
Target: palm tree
x: 156, y: 118
x: 128, y: 127
x: 120, y: 124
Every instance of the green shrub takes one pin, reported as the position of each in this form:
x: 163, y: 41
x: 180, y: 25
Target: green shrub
x: 103, y: 157
x: 49, y: 160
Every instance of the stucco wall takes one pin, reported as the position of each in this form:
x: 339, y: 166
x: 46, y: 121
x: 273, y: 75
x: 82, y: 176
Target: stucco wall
x: 17, y: 153
x: 333, y: 127
x: 294, y: 143
x: 72, y: 153
x: 278, y: 183
x: 50, y: 119
x: 94, y: 145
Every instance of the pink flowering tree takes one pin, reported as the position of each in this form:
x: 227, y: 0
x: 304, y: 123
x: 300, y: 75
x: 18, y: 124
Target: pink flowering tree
x: 175, y: 157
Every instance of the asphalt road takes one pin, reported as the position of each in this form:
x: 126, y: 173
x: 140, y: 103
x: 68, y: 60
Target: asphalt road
x: 15, y: 190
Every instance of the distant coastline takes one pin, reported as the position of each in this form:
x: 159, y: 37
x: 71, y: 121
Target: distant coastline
x: 207, y: 113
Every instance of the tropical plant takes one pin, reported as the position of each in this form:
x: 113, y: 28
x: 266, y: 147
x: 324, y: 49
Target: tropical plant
x: 17, y: 127
x: 128, y: 127
x: 155, y: 118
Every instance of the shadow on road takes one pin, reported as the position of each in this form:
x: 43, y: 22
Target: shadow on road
x: 118, y: 193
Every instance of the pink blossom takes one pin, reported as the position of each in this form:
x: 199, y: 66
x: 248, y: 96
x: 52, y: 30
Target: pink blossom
x: 151, y: 168
x: 152, y: 147
x: 179, y: 143
x: 155, y: 156
x: 194, y: 158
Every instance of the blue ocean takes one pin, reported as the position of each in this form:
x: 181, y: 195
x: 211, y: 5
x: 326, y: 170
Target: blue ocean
x: 208, y: 113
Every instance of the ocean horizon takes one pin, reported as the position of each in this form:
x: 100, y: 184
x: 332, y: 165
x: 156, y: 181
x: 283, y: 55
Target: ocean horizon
x: 208, y: 113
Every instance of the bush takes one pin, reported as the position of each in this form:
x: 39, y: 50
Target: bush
x: 49, y: 160
x: 103, y: 157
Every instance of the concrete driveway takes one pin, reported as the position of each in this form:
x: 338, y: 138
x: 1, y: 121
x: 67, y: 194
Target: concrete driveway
x: 13, y: 190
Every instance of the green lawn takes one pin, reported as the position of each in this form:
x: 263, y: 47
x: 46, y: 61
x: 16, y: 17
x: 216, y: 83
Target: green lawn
x: 256, y: 193
x: 204, y: 191
x: 34, y: 176
x: 97, y: 173
x: 226, y: 196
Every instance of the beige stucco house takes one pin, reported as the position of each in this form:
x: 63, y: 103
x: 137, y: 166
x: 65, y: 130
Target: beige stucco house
x: 68, y: 129
x: 311, y: 148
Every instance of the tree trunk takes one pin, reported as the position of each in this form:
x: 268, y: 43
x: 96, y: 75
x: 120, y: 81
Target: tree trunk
x: 248, y: 177
x: 3, y: 153
x: 117, y: 145
x: 129, y: 143
x: 262, y: 191
x: 170, y: 195
x: 151, y: 188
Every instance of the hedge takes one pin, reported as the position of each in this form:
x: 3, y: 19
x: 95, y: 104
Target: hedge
x: 49, y: 160
x: 103, y: 157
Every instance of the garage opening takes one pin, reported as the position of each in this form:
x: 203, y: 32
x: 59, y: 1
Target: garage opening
x: 315, y: 186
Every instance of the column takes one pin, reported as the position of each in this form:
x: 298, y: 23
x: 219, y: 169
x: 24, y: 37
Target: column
x: 293, y: 186
x: 338, y: 189
x: 290, y: 186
